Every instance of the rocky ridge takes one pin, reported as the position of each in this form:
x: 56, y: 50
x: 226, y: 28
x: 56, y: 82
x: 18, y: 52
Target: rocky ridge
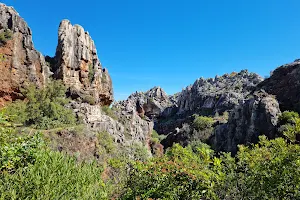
x: 207, y: 97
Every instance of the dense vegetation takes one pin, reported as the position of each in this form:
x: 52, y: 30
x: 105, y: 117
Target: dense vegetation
x: 43, y: 108
x: 30, y: 169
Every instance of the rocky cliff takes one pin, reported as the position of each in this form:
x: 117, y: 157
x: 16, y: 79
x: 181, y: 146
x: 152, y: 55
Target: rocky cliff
x: 126, y: 126
x: 20, y: 63
x: 256, y: 116
x: 207, y: 97
x: 78, y: 65
x: 284, y: 83
x: 151, y: 103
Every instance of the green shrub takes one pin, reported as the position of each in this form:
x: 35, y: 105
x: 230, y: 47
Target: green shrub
x: 5, y: 35
x: 16, y: 112
x: 289, y: 125
x: 89, y: 99
x: 16, y: 151
x: 180, y: 174
x: 268, y: 170
x: 54, y: 176
x: 44, y: 108
x: 201, y: 123
x: 109, y: 112
x: 155, y: 137
x: 91, y: 73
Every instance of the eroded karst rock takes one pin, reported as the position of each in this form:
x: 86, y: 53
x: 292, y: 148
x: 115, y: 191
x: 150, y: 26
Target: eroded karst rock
x: 126, y: 126
x: 207, y: 97
x: 257, y: 116
x: 151, y: 103
x: 284, y: 83
x: 20, y: 63
x: 78, y: 65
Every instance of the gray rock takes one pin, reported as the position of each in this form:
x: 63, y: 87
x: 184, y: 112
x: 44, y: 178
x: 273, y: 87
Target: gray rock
x: 78, y: 65
x: 257, y: 116
x: 127, y: 127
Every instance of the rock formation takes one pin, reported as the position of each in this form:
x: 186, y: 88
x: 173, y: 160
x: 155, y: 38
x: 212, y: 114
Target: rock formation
x: 126, y: 126
x: 20, y: 63
x: 256, y: 116
x: 207, y: 97
x: 151, y: 103
x: 284, y: 83
x: 78, y: 65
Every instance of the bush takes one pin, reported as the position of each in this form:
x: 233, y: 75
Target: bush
x: 290, y: 125
x: 201, y: 123
x: 54, y: 176
x: 16, y: 151
x: 268, y: 170
x: 44, y: 108
x: 91, y: 73
x: 89, y: 99
x: 5, y: 35
x: 109, y: 112
x: 180, y: 174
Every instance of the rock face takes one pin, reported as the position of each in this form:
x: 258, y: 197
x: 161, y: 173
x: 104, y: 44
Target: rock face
x: 20, y: 63
x: 78, y: 65
x: 151, y: 103
x: 207, y: 97
x: 256, y: 116
x: 126, y: 126
x: 284, y: 83
x: 217, y: 94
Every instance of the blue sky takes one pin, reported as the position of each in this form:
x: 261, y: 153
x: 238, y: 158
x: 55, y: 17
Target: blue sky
x: 171, y: 43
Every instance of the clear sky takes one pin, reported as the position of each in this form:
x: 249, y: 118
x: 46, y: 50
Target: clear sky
x: 171, y: 43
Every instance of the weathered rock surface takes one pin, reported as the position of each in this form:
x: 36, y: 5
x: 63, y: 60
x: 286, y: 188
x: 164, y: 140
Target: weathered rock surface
x: 284, y: 83
x: 217, y: 94
x: 151, y: 103
x: 78, y: 65
x: 256, y: 116
x: 207, y: 97
x: 20, y: 63
x: 126, y: 126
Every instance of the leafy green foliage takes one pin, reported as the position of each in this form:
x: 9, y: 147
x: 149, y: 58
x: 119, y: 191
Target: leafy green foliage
x: 43, y: 108
x: 54, y: 176
x: 109, y: 112
x: 155, y: 137
x: 202, y: 122
x: 290, y: 125
x: 5, y: 35
x: 268, y: 170
x: 16, y: 151
x: 180, y: 174
x: 91, y: 73
x: 89, y: 99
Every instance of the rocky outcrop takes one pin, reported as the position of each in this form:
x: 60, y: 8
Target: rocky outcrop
x: 126, y: 126
x: 217, y: 94
x: 207, y: 97
x: 284, y: 83
x: 256, y: 116
x: 151, y: 103
x: 20, y: 63
x: 78, y: 65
